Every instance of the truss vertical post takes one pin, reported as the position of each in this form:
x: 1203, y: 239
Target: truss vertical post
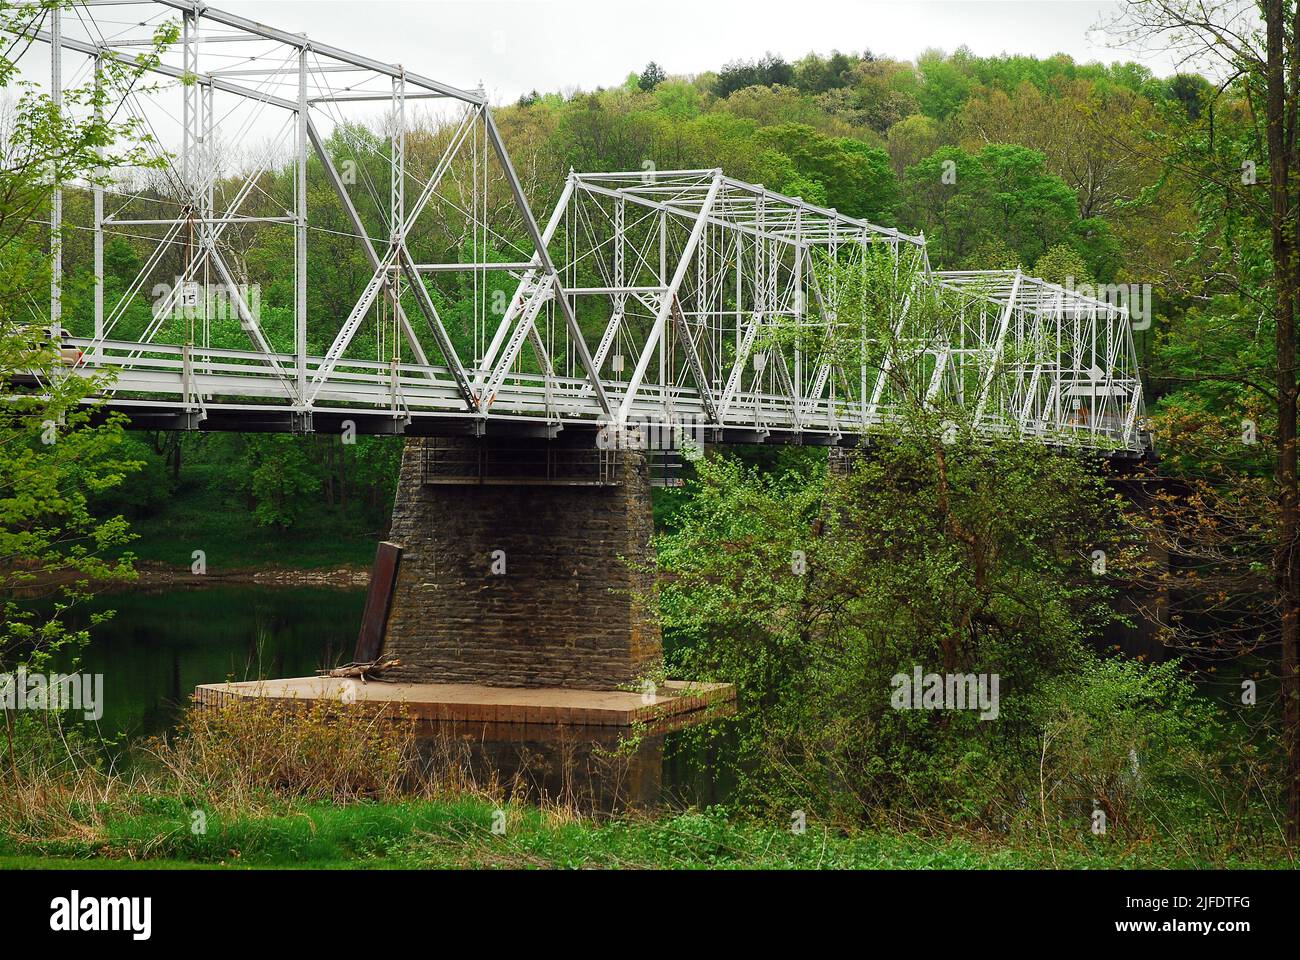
x: 397, y: 191
x: 191, y: 197
x: 190, y: 68
x: 56, y: 197
x: 300, y: 235
x: 98, y: 307
x: 799, y: 311
x: 663, y: 282
x: 209, y: 199
x: 620, y: 254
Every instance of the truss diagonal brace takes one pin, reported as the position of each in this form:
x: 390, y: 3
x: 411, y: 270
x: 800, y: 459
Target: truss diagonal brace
x: 380, y: 278
x: 533, y: 301
x: 250, y: 322
x: 986, y: 386
x: 886, y: 365
x: 693, y: 358
x: 813, y: 397
x: 736, y: 379
x: 372, y: 256
x: 661, y: 319
x: 527, y: 280
x: 782, y: 371
x: 544, y: 256
x: 439, y: 330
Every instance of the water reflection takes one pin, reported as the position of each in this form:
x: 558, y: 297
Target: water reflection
x: 597, y: 770
x: 160, y: 645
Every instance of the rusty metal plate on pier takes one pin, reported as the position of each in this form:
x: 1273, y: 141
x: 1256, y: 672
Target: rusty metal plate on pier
x: 379, y: 600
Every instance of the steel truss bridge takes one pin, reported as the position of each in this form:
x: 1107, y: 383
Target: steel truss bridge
x: 648, y: 297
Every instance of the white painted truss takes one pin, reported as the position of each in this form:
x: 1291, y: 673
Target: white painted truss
x: 660, y: 297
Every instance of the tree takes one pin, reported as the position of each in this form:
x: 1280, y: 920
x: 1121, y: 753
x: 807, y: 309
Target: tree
x: 651, y: 76
x: 1248, y: 188
x: 944, y: 83
x: 43, y: 143
x: 1062, y: 264
x: 1004, y: 192
x: 769, y: 71
x: 58, y: 455
x: 911, y: 140
x: 815, y: 74
x: 1061, y: 126
x: 857, y: 179
x: 885, y: 91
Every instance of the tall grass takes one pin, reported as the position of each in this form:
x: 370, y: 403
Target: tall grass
x: 262, y: 784
x: 61, y: 793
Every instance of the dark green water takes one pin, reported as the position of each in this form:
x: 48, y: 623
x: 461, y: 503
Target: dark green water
x: 160, y: 645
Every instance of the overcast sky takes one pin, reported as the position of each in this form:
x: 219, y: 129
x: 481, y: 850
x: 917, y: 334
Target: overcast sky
x: 514, y: 46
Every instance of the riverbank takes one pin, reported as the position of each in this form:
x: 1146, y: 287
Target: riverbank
x: 254, y: 785
x: 152, y: 576
x: 342, y: 576
x: 459, y: 833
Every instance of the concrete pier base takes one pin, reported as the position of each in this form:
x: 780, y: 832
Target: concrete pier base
x: 674, y: 704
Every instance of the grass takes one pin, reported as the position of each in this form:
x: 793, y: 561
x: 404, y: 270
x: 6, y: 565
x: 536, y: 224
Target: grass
x: 324, y: 786
x: 458, y: 833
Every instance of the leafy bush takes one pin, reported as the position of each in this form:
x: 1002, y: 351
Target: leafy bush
x: 812, y: 593
x: 1131, y: 751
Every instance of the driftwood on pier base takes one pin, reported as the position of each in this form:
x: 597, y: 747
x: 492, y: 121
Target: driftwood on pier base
x: 369, y: 670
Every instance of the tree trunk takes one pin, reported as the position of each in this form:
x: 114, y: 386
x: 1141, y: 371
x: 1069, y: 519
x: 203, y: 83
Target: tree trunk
x: 1286, y: 568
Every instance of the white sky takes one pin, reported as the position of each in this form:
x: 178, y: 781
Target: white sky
x: 514, y: 46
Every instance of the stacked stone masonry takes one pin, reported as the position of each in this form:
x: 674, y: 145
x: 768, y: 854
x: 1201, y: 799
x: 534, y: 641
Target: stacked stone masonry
x: 569, y: 609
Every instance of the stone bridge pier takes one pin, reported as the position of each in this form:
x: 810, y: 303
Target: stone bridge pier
x: 525, y: 563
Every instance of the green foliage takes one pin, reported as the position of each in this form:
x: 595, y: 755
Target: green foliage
x: 944, y: 84
x: 651, y: 77
x: 45, y: 144
x: 947, y: 560
x: 456, y: 833
x: 856, y: 179
x: 815, y: 74
x: 961, y: 200
x: 769, y: 71
x: 58, y: 453
x: 1062, y: 264
x: 330, y: 787
x: 286, y: 481
x: 57, y: 459
x: 1138, y: 743
x: 924, y: 555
